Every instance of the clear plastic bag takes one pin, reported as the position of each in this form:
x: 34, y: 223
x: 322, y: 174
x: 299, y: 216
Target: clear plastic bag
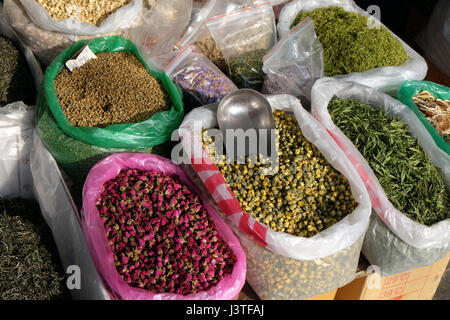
x: 16, y: 130
x: 93, y: 225
x: 198, y: 33
x: 202, y: 82
x: 386, y: 79
x: 162, y: 26
x: 62, y: 216
x: 391, y: 254
x: 244, y: 37
x: 412, y: 233
x: 334, y: 251
x: 122, y: 18
x: 294, y: 63
x: 46, y: 45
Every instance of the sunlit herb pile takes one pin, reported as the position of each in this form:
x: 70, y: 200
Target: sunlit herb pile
x: 411, y: 182
x: 350, y: 43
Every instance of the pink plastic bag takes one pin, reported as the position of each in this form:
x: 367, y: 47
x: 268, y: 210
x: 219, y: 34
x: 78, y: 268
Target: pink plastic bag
x: 228, y: 288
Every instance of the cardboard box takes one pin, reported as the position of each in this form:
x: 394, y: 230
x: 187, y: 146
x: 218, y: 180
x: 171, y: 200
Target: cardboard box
x: 325, y: 296
x: 417, y: 284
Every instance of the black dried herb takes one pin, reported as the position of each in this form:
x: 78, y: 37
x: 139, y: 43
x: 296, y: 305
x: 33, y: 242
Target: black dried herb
x: 29, y: 262
x: 16, y: 82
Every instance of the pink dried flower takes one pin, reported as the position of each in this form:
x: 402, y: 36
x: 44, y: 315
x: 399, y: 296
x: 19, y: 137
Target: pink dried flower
x: 161, y: 236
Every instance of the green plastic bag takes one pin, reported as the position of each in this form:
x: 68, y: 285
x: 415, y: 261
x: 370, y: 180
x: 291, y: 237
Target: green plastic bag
x: 156, y: 130
x: 78, y: 149
x: 411, y: 88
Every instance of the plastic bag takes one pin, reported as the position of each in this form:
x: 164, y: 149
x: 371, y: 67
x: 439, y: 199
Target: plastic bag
x: 122, y: 18
x: 434, y: 40
x: 77, y: 149
x: 198, y: 33
x: 202, y: 82
x: 411, y: 88
x: 7, y: 31
x: 46, y: 45
x: 392, y: 255
x: 414, y: 234
x: 386, y: 79
x: 244, y: 37
x: 62, y: 216
x: 278, y: 262
x: 162, y: 26
x: 294, y: 63
x: 93, y: 226
x: 16, y: 132
x: 156, y: 130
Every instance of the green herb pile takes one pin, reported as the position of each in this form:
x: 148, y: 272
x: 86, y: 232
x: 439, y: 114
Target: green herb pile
x: 349, y: 44
x: 246, y: 70
x: 411, y: 182
x: 29, y: 263
x: 16, y: 82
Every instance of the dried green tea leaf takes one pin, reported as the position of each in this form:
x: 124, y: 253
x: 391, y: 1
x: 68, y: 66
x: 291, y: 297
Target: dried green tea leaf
x: 349, y: 44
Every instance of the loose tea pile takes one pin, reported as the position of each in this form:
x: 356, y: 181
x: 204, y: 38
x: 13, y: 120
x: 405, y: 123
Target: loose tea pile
x: 411, y: 182
x: 161, y: 235
x: 437, y: 112
x: 306, y: 196
x: 246, y: 69
x: 16, y: 82
x: 209, y: 48
x: 349, y: 44
x: 29, y: 263
x: 114, y: 88
x: 206, y: 84
x: 87, y: 11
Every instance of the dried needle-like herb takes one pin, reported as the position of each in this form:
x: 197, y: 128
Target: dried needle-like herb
x: 349, y: 44
x: 16, y: 82
x: 29, y: 263
x: 246, y: 70
x: 411, y: 181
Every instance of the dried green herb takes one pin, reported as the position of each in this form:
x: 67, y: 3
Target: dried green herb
x: 349, y: 44
x: 16, y: 82
x: 411, y: 182
x: 29, y: 262
x: 246, y: 70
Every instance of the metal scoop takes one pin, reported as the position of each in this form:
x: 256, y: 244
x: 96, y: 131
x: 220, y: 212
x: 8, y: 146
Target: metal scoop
x: 246, y: 109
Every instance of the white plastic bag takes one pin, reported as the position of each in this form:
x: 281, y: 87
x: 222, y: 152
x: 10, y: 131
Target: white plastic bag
x: 202, y: 82
x: 46, y: 45
x: 331, y: 255
x: 391, y: 254
x: 122, y: 18
x: 386, y: 79
x: 244, y: 37
x: 62, y: 216
x: 294, y: 63
x: 161, y: 28
x: 35, y: 67
x: 16, y: 132
x: 411, y: 232
x: 434, y: 40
